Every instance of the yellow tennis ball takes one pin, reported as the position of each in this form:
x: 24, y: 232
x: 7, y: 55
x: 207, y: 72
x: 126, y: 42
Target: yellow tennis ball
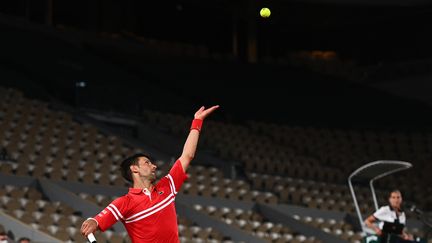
x: 265, y: 12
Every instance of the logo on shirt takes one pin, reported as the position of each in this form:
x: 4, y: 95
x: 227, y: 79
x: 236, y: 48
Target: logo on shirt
x: 160, y: 192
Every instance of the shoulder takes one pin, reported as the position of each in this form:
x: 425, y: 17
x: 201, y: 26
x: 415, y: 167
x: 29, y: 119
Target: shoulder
x: 383, y: 209
x: 121, y: 199
x: 162, y: 181
x: 386, y: 207
x: 177, y: 165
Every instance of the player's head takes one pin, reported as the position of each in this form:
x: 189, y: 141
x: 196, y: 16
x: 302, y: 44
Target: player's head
x: 134, y: 160
x: 395, y: 198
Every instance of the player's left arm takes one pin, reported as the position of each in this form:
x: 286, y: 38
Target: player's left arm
x: 191, y: 143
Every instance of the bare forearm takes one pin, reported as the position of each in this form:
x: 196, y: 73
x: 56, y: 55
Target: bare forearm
x: 191, y: 143
x: 370, y: 222
x: 372, y: 226
x: 189, y: 148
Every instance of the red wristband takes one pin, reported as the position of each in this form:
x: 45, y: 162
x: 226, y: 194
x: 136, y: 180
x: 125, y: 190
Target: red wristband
x: 196, y: 124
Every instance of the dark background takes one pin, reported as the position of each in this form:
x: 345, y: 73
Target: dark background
x: 360, y: 33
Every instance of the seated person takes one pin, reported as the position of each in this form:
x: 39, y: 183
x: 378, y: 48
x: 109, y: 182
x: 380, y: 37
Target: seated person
x: 391, y: 219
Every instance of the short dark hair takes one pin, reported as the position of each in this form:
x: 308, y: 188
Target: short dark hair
x: 23, y: 238
x: 394, y: 191
x: 126, y: 163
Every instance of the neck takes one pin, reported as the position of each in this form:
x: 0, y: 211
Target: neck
x: 395, y: 208
x: 141, y: 184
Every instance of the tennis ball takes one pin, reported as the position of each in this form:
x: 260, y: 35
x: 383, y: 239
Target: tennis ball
x: 265, y: 12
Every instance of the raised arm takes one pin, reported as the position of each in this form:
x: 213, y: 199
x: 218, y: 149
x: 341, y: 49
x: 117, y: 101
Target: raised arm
x: 191, y: 143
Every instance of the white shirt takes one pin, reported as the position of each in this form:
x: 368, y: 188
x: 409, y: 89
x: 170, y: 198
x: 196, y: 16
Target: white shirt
x: 387, y: 214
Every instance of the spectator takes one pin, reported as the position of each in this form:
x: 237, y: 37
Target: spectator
x: 24, y: 240
x: 4, y: 238
x: 392, y: 220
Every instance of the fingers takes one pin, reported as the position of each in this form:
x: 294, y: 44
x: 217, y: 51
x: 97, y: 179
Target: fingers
x: 87, y: 228
x: 203, y: 113
x: 84, y: 228
x: 210, y: 110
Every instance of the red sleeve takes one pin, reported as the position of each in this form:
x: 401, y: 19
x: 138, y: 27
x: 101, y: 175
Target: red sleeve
x: 111, y: 214
x: 176, y: 176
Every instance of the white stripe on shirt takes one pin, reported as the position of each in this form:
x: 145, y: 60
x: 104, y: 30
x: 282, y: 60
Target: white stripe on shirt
x: 112, y: 211
x: 117, y: 211
x: 154, y: 211
x: 172, y: 183
x: 151, y: 208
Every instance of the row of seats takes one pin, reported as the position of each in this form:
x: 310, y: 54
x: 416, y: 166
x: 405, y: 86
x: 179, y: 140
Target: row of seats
x: 191, y: 232
x: 212, y: 184
x: 301, y: 159
x: 57, y: 219
x: 339, y: 228
x: 66, y: 152
x: 313, y: 194
x: 353, y: 148
x: 86, y: 149
x: 314, y: 153
x: 255, y: 224
x: 258, y: 153
x: 239, y: 141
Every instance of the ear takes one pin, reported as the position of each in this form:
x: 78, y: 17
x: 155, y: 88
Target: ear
x: 134, y: 168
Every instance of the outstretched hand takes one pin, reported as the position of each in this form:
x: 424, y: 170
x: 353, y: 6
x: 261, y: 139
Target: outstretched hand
x: 202, y: 113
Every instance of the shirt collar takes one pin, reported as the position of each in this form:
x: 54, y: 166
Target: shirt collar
x: 135, y: 190
x: 392, y: 209
x: 139, y: 190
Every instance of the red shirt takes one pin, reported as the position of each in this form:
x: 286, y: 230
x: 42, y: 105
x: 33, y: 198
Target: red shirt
x: 147, y: 216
